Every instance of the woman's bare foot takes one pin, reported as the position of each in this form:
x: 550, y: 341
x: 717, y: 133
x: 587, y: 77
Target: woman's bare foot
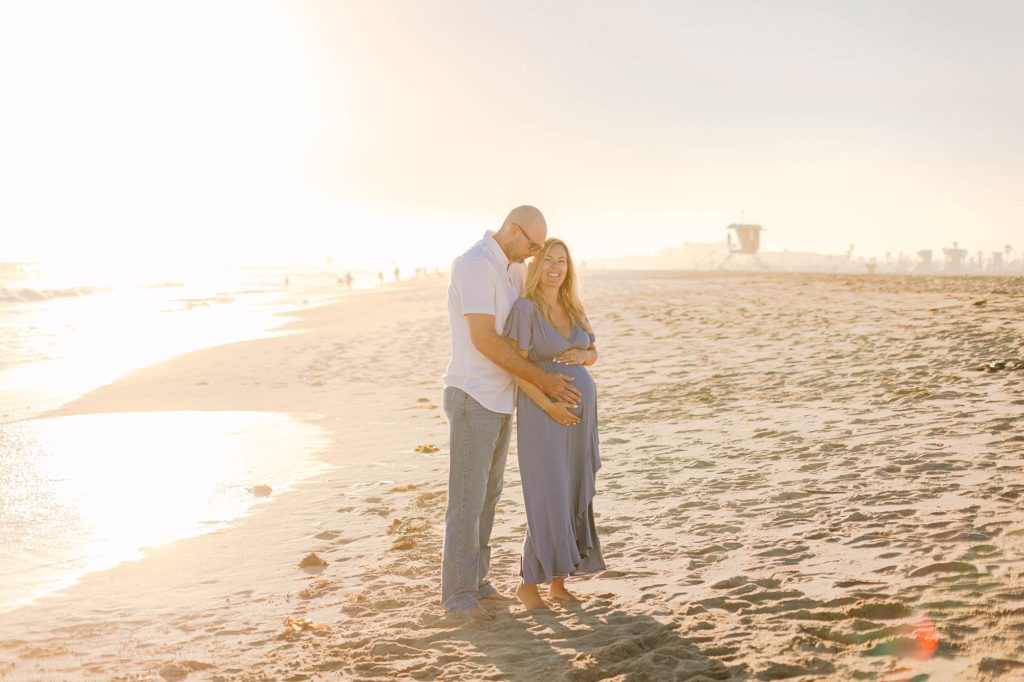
x: 530, y: 597
x: 558, y: 592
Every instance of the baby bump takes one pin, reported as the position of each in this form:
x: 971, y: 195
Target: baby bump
x: 582, y: 382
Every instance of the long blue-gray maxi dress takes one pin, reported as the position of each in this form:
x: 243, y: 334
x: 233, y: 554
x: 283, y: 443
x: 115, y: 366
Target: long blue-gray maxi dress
x: 558, y: 464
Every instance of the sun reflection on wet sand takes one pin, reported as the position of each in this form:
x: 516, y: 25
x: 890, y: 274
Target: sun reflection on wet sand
x: 84, y: 493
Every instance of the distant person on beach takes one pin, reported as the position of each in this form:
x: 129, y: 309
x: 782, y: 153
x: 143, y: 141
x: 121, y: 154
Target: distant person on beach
x: 557, y: 442
x: 479, y: 398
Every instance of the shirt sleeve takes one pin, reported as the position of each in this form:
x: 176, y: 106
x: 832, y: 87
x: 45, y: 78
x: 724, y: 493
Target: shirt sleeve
x: 519, y: 325
x: 475, y: 280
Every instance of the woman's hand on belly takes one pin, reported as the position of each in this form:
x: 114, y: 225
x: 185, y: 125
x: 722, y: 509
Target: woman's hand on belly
x: 562, y: 413
x: 573, y: 356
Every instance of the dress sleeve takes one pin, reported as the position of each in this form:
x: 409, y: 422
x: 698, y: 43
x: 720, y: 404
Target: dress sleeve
x: 519, y: 325
x: 590, y: 335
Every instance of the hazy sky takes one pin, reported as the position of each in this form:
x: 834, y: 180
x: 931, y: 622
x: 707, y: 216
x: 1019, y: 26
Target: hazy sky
x: 375, y: 131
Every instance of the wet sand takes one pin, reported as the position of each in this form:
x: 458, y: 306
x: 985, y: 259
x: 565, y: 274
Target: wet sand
x: 805, y: 477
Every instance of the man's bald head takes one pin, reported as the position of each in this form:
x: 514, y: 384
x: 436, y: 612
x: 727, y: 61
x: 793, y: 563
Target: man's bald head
x: 528, y: 216
x: 522, y: 233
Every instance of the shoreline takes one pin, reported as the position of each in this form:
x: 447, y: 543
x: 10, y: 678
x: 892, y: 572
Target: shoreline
x: 141, y: 385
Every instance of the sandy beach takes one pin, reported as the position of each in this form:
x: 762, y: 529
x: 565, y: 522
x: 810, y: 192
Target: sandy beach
x: 805, y: 477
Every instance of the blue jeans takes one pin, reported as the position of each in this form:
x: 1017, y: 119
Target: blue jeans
x: 478, y: 443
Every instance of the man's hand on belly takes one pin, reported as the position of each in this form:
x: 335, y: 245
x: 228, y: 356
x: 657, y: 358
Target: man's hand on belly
x: 559, y: 388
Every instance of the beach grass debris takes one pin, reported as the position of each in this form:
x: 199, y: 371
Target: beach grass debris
x: 295, y: 626
x: 427, y: 447
x: 261, y: 490
x: 311, y: 560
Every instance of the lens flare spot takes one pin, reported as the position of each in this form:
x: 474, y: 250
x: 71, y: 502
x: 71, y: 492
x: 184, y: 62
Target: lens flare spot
x: 926, y: 637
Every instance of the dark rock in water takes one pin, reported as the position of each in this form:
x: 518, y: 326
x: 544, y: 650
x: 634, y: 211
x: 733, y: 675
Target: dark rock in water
x: 980, y: 303
x: 995, y: 366
x: 261, y: 490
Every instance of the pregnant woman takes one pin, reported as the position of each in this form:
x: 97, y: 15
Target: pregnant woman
x: 557, y: 442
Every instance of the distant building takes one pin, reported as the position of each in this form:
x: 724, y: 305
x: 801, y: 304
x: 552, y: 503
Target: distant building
x: 955, y: 258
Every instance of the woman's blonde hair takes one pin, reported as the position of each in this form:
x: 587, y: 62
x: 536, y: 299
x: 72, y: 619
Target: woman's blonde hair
x: 568, y: 293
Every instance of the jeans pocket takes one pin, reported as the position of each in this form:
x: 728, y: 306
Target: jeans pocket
x: 456, y: 402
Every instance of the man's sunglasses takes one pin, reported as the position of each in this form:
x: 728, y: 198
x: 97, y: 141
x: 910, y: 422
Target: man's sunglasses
x: 534, y: 246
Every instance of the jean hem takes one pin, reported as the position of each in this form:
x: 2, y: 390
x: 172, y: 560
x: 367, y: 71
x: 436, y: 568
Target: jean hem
x: 486, y: 591
x: 463, y: 603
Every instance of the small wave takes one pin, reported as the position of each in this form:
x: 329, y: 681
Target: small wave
x: 17, y: 272
x: 26, y: 295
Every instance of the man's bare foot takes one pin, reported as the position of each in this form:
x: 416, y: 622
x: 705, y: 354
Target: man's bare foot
x: 497, y: 596
x: 475, y: 613
x: 530, y: 597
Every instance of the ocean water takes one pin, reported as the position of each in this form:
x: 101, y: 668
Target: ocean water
x: 65, y: 333
x: 84, y: 493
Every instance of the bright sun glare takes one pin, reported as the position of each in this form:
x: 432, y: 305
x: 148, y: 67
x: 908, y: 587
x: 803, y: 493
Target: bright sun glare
x: 151, y: 124
x: 159, y: 477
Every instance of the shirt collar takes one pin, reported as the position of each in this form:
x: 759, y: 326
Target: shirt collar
x: 495, y: 247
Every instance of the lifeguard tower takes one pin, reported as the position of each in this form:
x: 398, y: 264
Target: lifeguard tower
x: 955, y: 258
x: 743, y: 255
x: 924, y: 261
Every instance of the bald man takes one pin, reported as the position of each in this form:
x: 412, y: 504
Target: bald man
x: 479, y: 398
